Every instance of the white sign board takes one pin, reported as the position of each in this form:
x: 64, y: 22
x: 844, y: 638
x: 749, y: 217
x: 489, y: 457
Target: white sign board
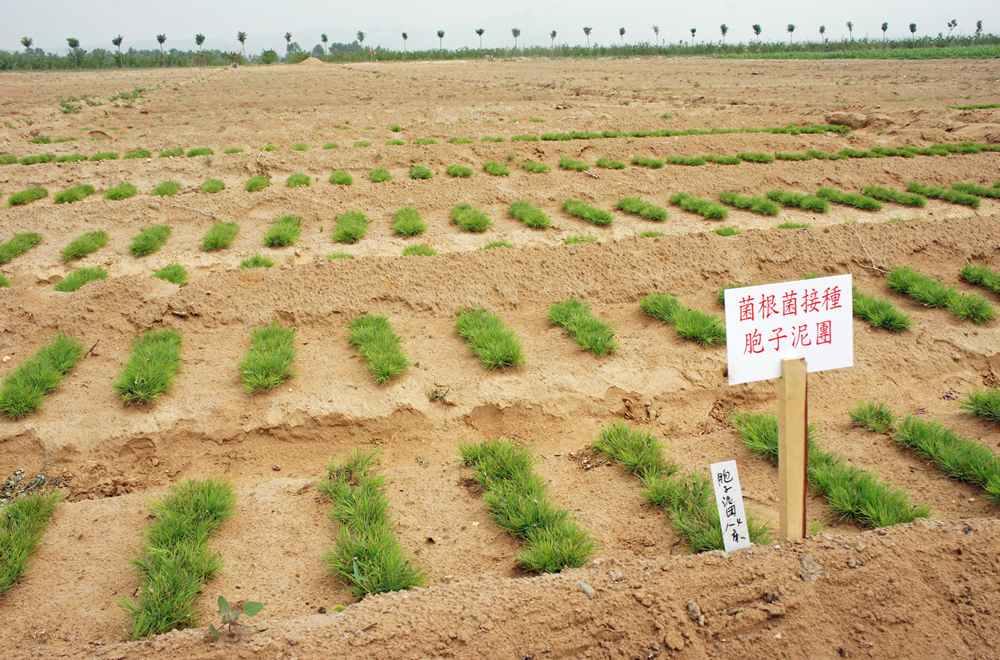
x: 729, y: 499
x: 808, y: 318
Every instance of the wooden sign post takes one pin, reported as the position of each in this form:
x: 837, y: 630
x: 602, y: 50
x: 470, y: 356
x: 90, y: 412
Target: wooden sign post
x: 793, y: 448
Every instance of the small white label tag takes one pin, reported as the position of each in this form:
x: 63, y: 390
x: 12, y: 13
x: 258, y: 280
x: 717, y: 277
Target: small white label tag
x: 729, y: 499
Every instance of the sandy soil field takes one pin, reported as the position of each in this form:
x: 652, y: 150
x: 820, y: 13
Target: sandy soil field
x: 927, y: 589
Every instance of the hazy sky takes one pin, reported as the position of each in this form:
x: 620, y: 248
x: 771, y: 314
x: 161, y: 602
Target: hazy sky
x: 50, y: 22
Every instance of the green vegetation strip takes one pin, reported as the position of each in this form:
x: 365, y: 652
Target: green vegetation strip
x: 152, y: 365
x: 496, y: 345
x: 73, y: 194
x: 176, y: 560
x: 587, y: 212
x: 470, y: 219
x: 529, y: 214
x: 880, y: 312
x: 853, y: 494
x: 895, y: 196
x: 77, y: 278
x: 862, y: 202
x: 18, y: 245
x: 688, y: 499
x: 691, y: 324
x: 351, y: 227
x: 642, y: 208
x: 366, y: 555
x: 755, y: 157
x: 23, y: 389
x: 219, y: 235
x: 517, y: 501
x: 268, y: 363
x: 703, y: 207
x: 758, y: 205
x: 977, y: 190
x: 283, y: 231
x: 589, y: 332
x: 947, y: 195
x: 379, y: 346
x: 27, y: 196
x: 149, y: 240
x: 801, y: 200
x: 982, y: 276
x: 932, y: 293
x: 22, y: 524
x: 983, y: 403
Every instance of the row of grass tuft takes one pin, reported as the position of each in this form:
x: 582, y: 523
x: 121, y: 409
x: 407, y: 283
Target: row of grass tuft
x: 18, y: 245
x: 496, y: 345
x: 758, y: 205
x: 529, y: 214
x: 895, y: 196
x: 22, y: 523
x: 220, y: 235
x: 703, y: 207
x: 351, y: 227
x: 268, y: 362
x: 642, y: 208
x: 932, y: 293
x: 981, y: 276
x: 152, y: 365
x: 948, y: 195
x: 470, y: 219
x: 408, y: 222
x: 149, y: 240
x: 23, y: 389
x: 77, y: 278
x: 588, y: 212
x: 691, y: 324
x: 880, y: 312
x: 862, y: 202
x: 379, y: 346
x: 73, y: 194
x: 283, y: 231
x: 589, y: 332
x: 977, y: 190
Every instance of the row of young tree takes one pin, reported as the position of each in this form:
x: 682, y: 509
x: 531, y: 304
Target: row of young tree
x: 99, y: 58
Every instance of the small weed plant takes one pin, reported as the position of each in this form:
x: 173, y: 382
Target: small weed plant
x: 230, y: 617
x: 268, y: 363
x: 77, y: 278
x: 220, y: 235
x: 379, y: 346
x: 590, y: 333
x: 496, y: 345
x: 149, y: 240
x: 351, y: 227
x: 152, y: 366
x: 24, y: 388
x: 691, y: 324
x: 529, y: 214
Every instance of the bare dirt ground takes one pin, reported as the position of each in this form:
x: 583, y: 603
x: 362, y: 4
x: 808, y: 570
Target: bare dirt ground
x: 929, y: 589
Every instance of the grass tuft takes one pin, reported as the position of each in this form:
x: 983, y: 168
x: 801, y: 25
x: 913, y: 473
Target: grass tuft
x: 174, y: 273
x: 199, y: 151
x: 801, y: 200
x: 932, y: 293
x: 395, y: 143
x: 298, y: 179
x: 22, y: 524
x: 268, y: 363
x: 73, y: 194
x: 213, y: 186
x: 786, y: 156
x: 722, y: 160
x: 585, y: 211
x: 692, y: 161
x: 219, y: 235
x: 362, y: 143
x: 23, y: 389
x: 645, y: 161
x: 728, y: 230
x: 691, y: 324
x: 341, y: 178
x: 953, y: 196
x: 977, y: 190
x: 524, y: 138
x: 703, y: 207
x: 880, y: 313
x: 351, y: 227
x: 68, y: 158
x: 419, y: 250
x: 104, y: 155
x: 153, y: 363
x: 496, y: 169
x: 425, y: 141
x: 895, y: 196
x: 257, y: 260
x: 576, y: 239
x: 535, y: 168
x: 983, y: 403
x: 407, y: 222
x: 650, y: 233
x: 379, y: 346
x: 299, y: 146
x: 755, y: 157
x: 470, y: 219
x: 233, y: 150
x: 83, y: 245
x: 379, y: 175
x: 573, y: 164
x: 166, y: 189
x: 788, y: 224
x: 589, y: 332
x: 981, y: 276
x: 27, y: 196
x: 171, y: 153
x: 420, y: 172
x: 77, y: 278
x: 758, y: 205
x: 18, y: 245
x: 642, y: 208
x: 862, y: 202
x: 121, y: 191
x: 149, y: 240
x: 459, y: 140
x: 339, y: 255
x: 283, y: 231
x: 331, y: 145
x: 529, y: 214
x: 496, y: 345
x: 256, y: 183
x: 497, y: 244
x: 874, y: 416
x: 458, y: 171
x: 34, y: 160
x: 491, y: 138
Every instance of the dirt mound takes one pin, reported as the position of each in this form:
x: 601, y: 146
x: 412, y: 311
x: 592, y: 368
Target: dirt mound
x: 312, y: 61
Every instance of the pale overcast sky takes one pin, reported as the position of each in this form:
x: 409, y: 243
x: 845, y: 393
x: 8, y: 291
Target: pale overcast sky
x: 50, y: 22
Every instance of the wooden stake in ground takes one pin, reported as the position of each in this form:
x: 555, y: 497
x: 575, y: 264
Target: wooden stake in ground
x: 793, y: 452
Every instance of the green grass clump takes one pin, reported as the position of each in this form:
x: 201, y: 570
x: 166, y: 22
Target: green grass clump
x: 8, y: 159
x: 299, y: 146
x: 576, y: 239
x: 171, y: 153
x: 688, y: 499
x: 589, y: 332
x: 728, y: 230
x: 874, y: 416
x: 83, y: 245
x: 18, y: 245
x: 953, y: 196
x: 200, y: 151
x: 4, y: 282
x: 956, y: 455
x: 407, y: 222
x: 496, y: 169
x: 137, y: 153
x: 524, y: 138
x: 257, y: 260
x: 40, y: 139
x: 788, y: 224
x: 23, y: 389
x: 703, y: 207
x: 497, y: 244
x: 27, y: 196
x: 585, y: 135
x: 213, y: 186
x: 573, y: 164
x: 379, y: 175
x: 362, y: 143
x: 610, y: 163
x: 74, y: 194
x: 341, y: 178
x: 691, y: 324
x: 174, y: 273
x: 517, y: 501
x: 801, y: 200
x: 932, y: 293
x: 68, y: 158
x: 880, y: 313
x: 339, y: 255
x: 470, y: 219
x: 858, y: 153
x: 283, y: 231
x: 755, y: 157
x: 496, y: 345
x: 529, y: 214
x: 458, y: 171
x: 459, y: 140
x: 256, y: 183
x: 419, y: 250
x: 587, y: 212
x: 421, y: 172
x: 379, y: 346
x: 646, y: 161
x: 395, y: 128
x: 77, y: 278
x: 104, y: 155
x: 219, y: 235
x: 268, y: 363
x: 977, y: 190
x: 642, y: 208
x: 149, y: 240
x: 786, y: 156
x: 822, y: 155
x: 905, y: 152
x: 425, y: 141
x: 650, y: 233
x: 153, y: 363
x: 351, y: 227
x: 722, y: 160
x: 395, y: 143
x: 758, y: 205
x: 34, y: 160
x: 269, y: 147
x: 852, y: 493
x: 535, y: 168
x: 981, y: 276
x: 556, y: 137
x: 233, y: 150
x: 176, y: 559
x: 22, y: 524
x: 331, y: 145
x: 693, y: 161
x: 983, y: 403
x: 862, y: 202
x: 298, y: 179
x: 121, y: 191
x: 366, y: 555
x: 490, y: 138
x: 895, y: 196
x: 166, y: 189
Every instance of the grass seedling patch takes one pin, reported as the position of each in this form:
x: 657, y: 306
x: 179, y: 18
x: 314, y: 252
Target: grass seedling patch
x: 786, y: 156
x: 858, y: 153
x: 977, y: 190
x: 981, y: 276
x: 588, y: 212
x: 339, y: 255
x: 650, y: 233
x: 728, y: 230
x: 529, y: 214
x: 490, y: 138
x: 34, y: 160
x: 256, y: 183
x: 299, y: 146
x: 104, y: 155
x: 458, y: 171
x: 645, y: 161
x: 341, y: 178
x: 572, y: 164
x: 895, y: 196
x: 932, y: 293
x: 331, y: 145
x: 822, y: 155
x: 283, y: 231
x: 395, y: 128
x: 77, y: 278
x: 18, y: 245
x: 556, y: 137
x: 496, y: 345
x: 298, y: 179
x: 171, y: 153
x: 257, y: 260
x: 788, y: 224
x: 576, y: 239
x: 366, y: 555
x: 874, y: 416
x: 166, y: 189
x: 758, y: 205
x: 524, y: 138
x: 589, y: 332
x: 721, y: 296
x: 74, y: 194
x: 268, y: 363
x: 722, y: 160
x: 425, y: 141
x: 419, y: 250
x: 420, y: 172
x: 610, y: 163
x: 174, y: 273
x: 213, y: 186
x: 693, y: 161
x: 642, y: 208
x: 703, y: 207
x: 517, y: 501
x: 983, y: 403
x: 535, y: 168
x: 379, y: 175
x: 23, y: 389
x: 880, y: 313
x: 176, y: 559
x: 395, y: 143
x: 153, y: 363
x: 853, y: 494
x: 83, y: 245
x: 219, y: 235
x: 459, y: 140
x: 121, y: 191
x: 862, y: 202
x: 362, y: 143
x: 470, y: 219
x: 755, y: 157
x: 379, y: 346
x: 27, y: 196
x: 22, y: 524
x: 496, y: 169
x: 200, y: 151
x: 407, y: 222
x: 800, y: 200
x: 585, y: 135
x: 68, y: 158
x: 233, y: 150
x: 351, y: 227
x: 149, y: 240
x: 8, y: 159
x: 691, y: 324
x: 947, y: 195
x: 137, y: 153
x: 497, y: 244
